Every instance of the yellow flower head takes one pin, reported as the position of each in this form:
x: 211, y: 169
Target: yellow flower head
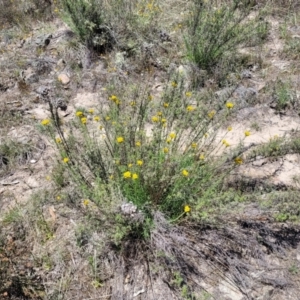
x: 107, y: 118
x: 66, y: 160
x: 83, y: 120
x: 225, y: 143
x: 133, y: 103
x: 166, y: 150
x: 247, y: 133
x: 206, y: 135
x: 58, y: 140
x: 155, y: 119
x: 174, y: 84
x: 185, y: 173
x: 58, y: 198
x: 91, y: 111
x: 188, y: 94
x: 229, y: 128
x: 229, y: 105
x: 138, y: 144
x: 187, y: 208
x: 129, y: 166
x: 211, y: 114
x: 139, y: 162
x: 113, y: 98
x: 127, y: 174
x: 238, y: 160
x: 166, y: 105
x: 135, y: 176
x: 97, y: 118
x: 168, y: 140
x: 120, y: 139
x: 150, y: 97
x: 194, y: 145
x: 86, y: 202
x: 79, y: 114
x: 45, y: 122
x: 163, y: 120
x: 159, y: 113
x: 201, y: 157
x: 190, y: 108
x: 172, y: 135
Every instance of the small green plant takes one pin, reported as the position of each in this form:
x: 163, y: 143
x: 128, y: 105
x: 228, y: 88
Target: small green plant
x: 85, y: 17
x: 294, y: 269
x: 13, y: 153
x: 281, y: 217
x: 284, y: 95
x: 255, y: 126
x: 12, y: 216
x: 215, y: 31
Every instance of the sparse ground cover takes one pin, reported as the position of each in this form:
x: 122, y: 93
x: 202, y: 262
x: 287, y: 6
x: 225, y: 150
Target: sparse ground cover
x: 149, y: 150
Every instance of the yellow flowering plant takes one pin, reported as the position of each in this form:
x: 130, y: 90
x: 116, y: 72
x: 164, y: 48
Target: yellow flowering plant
x: 155, y: 159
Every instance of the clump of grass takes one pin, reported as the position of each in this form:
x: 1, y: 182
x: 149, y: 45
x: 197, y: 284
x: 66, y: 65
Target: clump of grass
x: 277, y: 146
x: 13, y: 153
x: 217, y: 30
x: 284, y: 95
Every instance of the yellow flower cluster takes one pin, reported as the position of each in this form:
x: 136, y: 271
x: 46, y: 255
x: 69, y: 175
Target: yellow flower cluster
x: 79, y: 114
x: 120, y: 139
x: 238, y: 160
x: 114, y: 99
x: 194, y: 145
x: 172, y: 135
x: 45, y: 122
x: 187, y: 208
x: 190, y: 108
x: 155, y: 119
x: 128, y: 175
x: 229, y: 105
x: 225, y: 143
x: 211, y: 114
x: 185, y: 173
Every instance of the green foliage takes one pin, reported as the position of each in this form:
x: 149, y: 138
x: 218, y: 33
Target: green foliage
x: 216, y: 31
x: 101, y: 24
x: 156, y: 154
x: 13, y: 153
x: 22, y: 12
x: 85, y: 17
x: 284, y: 95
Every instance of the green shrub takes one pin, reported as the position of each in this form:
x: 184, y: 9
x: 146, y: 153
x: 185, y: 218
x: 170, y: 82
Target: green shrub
x: 160, y: 155
x: 85, y: 17
x: 216, y: 31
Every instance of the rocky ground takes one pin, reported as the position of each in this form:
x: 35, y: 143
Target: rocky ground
x: 254, y: 254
